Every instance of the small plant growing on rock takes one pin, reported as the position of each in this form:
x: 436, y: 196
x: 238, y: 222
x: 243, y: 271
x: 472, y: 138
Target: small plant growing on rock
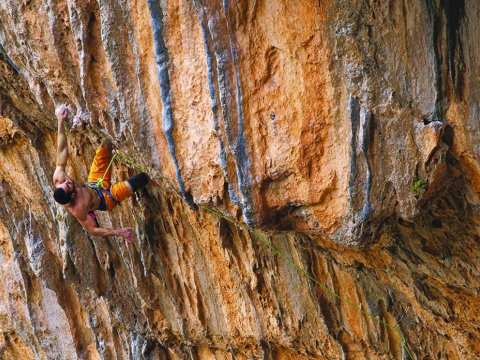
x: 418, y: 187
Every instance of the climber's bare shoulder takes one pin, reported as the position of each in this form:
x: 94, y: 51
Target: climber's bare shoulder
x: 82, y: 202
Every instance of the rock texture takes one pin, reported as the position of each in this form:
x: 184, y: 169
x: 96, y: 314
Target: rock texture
x: 345, y: 131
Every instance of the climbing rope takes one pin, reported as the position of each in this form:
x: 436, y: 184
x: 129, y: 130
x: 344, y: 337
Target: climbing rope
x: 120, y: 156
x: 100, y: 181
x: 262, y: 238
x: 130, y: 161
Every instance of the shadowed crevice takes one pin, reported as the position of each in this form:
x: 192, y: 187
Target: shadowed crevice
x: 433, y: 16
x: 454, y: 11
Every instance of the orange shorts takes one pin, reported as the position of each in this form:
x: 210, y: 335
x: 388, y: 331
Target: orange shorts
x: 120, y: 191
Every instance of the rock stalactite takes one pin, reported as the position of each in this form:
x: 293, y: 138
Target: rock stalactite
x: 346, y: 132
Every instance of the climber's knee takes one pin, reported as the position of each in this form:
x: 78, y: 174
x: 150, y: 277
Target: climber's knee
x: 138, y: 181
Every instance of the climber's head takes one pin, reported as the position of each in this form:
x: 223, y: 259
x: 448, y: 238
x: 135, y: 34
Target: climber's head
x: 65, y: 192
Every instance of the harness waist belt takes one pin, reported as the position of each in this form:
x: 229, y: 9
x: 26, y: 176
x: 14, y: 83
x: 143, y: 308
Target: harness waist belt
x: 101, y: 192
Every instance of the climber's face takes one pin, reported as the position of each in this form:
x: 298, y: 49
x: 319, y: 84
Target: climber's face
x: 69, y: 187
x: 65, y: 192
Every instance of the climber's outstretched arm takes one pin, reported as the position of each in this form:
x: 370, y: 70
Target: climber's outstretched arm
x: 59, y: 175
x: 91, y: 226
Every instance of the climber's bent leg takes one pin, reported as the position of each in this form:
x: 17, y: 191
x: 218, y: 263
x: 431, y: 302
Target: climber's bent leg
x: 138, y: 181
x: 124, y: 189
x: 120, y: 191
x: 103, y: 155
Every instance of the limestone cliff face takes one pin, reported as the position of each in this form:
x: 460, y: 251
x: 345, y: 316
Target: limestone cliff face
x: 346, y: 131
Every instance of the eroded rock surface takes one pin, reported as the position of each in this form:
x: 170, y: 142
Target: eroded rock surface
x: 347, y: 132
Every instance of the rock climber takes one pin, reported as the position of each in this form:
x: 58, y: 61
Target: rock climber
x: 82, y: 200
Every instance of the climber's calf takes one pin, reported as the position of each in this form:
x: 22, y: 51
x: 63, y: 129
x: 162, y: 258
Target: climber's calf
x: 138, y: 181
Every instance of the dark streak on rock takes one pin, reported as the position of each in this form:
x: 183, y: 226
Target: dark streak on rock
x: 4, y: 55
x: 214, y: 105
x: 365, y: 119
x: 100, y: 348
x: 239, y: 149
x: 161, y: 56
x: 432, y: 11
x: 354, y: 110
x: 454, y: 11
x: 362, y: 117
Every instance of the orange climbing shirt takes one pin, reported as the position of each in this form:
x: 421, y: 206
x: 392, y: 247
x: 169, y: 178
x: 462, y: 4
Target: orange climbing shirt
x: 119, y: 190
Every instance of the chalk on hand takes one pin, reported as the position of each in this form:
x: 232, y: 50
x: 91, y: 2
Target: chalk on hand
x: 60, y: 107
x: 74, y: 119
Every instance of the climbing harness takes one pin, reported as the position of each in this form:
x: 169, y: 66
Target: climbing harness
x: 120, y: 156
x: 262, y: 238
x: 100, y: 192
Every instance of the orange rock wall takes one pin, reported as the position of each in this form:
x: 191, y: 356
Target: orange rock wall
x: 346, y: 132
